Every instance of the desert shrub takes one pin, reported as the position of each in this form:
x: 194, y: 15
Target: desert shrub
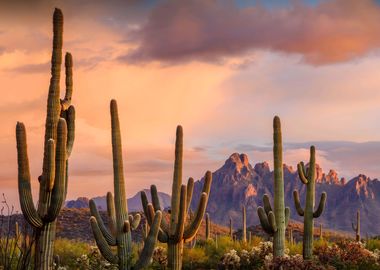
x: 294, y: 262
x: 348, y: 255
x: 159, y: 258
x: 295, y: 248
x: 69, y: 250
x: 373, y: 244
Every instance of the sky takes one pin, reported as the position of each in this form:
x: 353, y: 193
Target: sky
x: 221, y: 69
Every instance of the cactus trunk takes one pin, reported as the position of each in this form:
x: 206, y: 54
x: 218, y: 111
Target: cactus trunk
x: 357, y: 227
x: 175, y: 253
x: 231, y: 229
x: 207, y: 226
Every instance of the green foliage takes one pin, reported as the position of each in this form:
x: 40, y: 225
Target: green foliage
x: 373, y: 244
x: 69, y: 251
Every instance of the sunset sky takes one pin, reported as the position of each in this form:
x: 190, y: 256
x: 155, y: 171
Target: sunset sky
x: 221, y: 69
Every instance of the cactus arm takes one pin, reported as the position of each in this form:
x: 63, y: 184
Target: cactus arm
x: 207, y: 184
x: 192, y: 229
x: 50, y: 172
x: 287, y: 216
x: 272, y: 221
x: 163, y: 236
x: 70, y: 121
x: 353, y: 226
x: 126, y: 226
x: 297, y: 203
x: 266, y: 202
x: 111, y: 213
x: 66, y: 102
x: 321, y: 205
x: 149, y: 242
x: 182, y: 215
x: 263, y: 217
x: 24, y: 187
x: 157, y: 206
x: 135, y: 221
x: 189, y: 192
x: 58, y: 192
x: 102, y: 243
x: 302, y: 173
x: 145, y: 202
x: 100, y: 224
x: 177, y: 180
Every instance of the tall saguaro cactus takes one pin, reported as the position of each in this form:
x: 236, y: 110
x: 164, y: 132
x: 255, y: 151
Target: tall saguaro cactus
x: 357, y: 227
x: 176, y: 232
x: 308, y: 178
x: 231, y: 229
x: 244, y: 222
x: 58, y: 143
x: 275, y: 222
x: 121, y: 224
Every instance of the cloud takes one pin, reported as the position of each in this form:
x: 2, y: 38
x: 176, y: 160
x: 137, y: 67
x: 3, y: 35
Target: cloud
x: 328, y: 32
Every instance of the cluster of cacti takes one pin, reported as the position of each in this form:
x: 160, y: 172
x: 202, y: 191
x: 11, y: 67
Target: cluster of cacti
x: 175, y: 233
x: 207, y: 227
x: 275, y: 222
x: 244, y: 221
x: 119, y: 232
x: 58, y: 143
x: 357, y: 227
x: 308, y: 178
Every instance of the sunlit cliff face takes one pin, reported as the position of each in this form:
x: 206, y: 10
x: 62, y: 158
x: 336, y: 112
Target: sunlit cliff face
x: 220, y: 69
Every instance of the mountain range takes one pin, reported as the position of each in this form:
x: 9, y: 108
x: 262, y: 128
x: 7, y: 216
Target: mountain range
x: 238, y: 183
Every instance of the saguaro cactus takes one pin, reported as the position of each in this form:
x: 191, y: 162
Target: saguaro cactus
x: 320, y: 231
x: 308, y: 178
x: 58, y: 143
x: 207, y: 226
x: 275, y: 222
x: 357, y: 227
x: 121, y: 224
x: 244, y: 221
x: 175, y: 233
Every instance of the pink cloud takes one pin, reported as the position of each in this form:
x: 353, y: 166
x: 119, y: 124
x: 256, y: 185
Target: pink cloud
x: 332, y: 31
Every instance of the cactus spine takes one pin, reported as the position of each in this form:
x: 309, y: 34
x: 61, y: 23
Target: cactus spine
x: 275, y: 222
x: 207, y: 226
x: 308, y: 178
x: 244, y: 220
x: 58, y: 142
x: 121, y: 224
x: 175, y: 233
x: 357, y: 227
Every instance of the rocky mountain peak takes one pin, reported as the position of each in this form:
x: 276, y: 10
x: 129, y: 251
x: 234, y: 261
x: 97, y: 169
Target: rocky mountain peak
x: 362, y: 186
x: 262, y: 168
x: 238, y: 162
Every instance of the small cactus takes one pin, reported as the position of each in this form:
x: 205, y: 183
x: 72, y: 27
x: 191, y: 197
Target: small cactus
x: 244, y: 222
x: 231, y: 229
x: 308, y: 178
x: 320, y: 231
x: 58, y: 143
x: 357, y: 227
x: 119, y: 232
x: 207, y: 227
x: 175, y: 233
x: 274, y: 222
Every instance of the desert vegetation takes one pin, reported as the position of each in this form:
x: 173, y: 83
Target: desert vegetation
x: 171, y: 237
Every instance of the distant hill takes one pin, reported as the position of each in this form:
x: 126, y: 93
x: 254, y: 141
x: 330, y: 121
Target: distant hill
x: 134, y: 203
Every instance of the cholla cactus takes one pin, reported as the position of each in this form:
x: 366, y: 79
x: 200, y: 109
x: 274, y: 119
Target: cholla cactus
x: 121, y: 224
x: 175, y: 233
x: 308, y: 178
x: 58, y: 143
x: 275, y: 222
